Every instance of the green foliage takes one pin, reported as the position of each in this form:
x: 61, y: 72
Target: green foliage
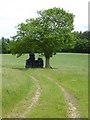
x: 48, y: 33
x: 4, y: 45
x: 81, y: 43
x: 84, y: 35
x: 82, y: 46
x: 57, y: 25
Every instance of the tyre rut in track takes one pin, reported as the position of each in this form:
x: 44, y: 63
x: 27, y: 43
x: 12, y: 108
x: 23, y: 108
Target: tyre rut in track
x: 31, y: 105
x: 35, y: 98
x: 70, y: 100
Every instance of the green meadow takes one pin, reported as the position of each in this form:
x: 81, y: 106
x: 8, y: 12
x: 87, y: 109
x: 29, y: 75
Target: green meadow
x: 18, y: 87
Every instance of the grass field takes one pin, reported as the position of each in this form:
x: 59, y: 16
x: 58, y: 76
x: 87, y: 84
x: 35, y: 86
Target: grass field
x: 69, y: 70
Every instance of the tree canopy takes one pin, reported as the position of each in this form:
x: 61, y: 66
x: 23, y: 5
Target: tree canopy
x: 50, y: 32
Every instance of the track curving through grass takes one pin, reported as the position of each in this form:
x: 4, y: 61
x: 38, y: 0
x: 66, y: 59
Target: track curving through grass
x: 70, y: 100
x: 68, y: 80
x: 51, y: 103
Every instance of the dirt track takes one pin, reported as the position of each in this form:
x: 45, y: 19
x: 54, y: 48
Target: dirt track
x: 29, y: 105
x: 35, y: 98
x: 70, y: 100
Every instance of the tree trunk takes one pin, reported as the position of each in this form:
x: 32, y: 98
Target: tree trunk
x: 47, y: 64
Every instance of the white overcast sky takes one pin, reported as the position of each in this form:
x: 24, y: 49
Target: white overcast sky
x: 13, y: 12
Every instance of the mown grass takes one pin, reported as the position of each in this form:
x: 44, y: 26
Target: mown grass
x: 51, y: 103
x: 16, y: 83
x: 73, y: 75
x: 70, y: 70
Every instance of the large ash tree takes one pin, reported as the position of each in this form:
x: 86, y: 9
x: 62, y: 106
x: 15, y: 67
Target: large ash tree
x: 49, y: 33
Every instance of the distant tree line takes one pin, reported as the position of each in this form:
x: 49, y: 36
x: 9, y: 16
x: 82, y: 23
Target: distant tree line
x: 81, y: 43
x: 4, y: 45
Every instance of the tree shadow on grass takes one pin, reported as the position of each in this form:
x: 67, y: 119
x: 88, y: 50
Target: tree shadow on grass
x: 17, y: 68
x: 24, y: 69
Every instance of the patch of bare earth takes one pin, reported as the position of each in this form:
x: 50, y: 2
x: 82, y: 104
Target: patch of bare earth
x: 27, y: 105
x: 72, y: 110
